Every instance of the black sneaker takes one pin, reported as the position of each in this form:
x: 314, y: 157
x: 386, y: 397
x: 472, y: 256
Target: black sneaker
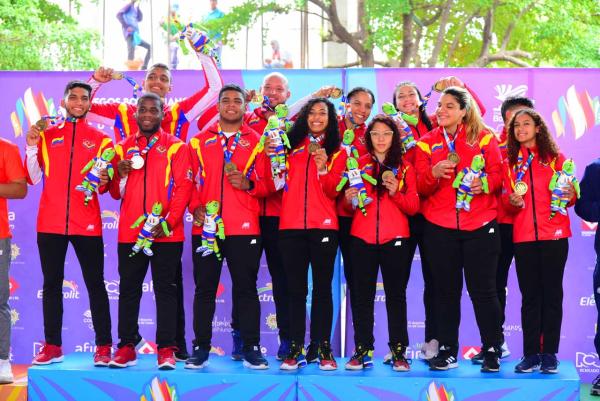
x: 491, y: 360
x: 181, y: 355
x: 399, y: 362
x: 295, y: 359
x: 284, y: 349
x: 549, y: 363
x: 362, y: 358
x: 528, y: 364
x: 312, y: 352
x: 199, y: 358
x: 595, y: 390
x: 254, y: 359
x: 445, y: 359
x: 326, y: 359
x: 477, y: 359
x: 237, y: 351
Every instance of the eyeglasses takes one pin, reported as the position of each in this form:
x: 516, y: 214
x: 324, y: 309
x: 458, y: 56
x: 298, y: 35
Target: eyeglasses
x: 385, y: 134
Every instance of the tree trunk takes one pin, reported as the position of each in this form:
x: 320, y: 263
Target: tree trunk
x: 437, y: 48
x: 407, y: 39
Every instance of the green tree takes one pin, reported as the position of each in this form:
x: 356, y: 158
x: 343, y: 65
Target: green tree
x: 38, y: 35
x: 455, y: 33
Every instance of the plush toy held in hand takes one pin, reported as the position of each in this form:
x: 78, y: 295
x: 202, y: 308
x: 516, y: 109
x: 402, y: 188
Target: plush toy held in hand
x: 282, y: 111
x: 279, y: 139
x: 199, y: 41
x: 145, y: 238
x: 347, y: 145
x: 561, y: 180
x: 401, y: 119
x: 213, y: 227
x: 91, y: 181
x: 464, y: 180
x: 354, y: 177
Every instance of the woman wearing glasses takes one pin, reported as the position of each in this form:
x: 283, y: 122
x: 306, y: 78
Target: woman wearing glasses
x: 461, y: 232
x: 379, y: 239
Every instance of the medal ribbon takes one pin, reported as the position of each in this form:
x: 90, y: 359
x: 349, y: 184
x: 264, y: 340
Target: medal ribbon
x: 149, y: 145
x: 523, y: 167
x: 137, y: 89
x: 228, y: 153
x: 58, y: 119
x: 449, y: 142
x: 318, y: 139
x: 392, y: 169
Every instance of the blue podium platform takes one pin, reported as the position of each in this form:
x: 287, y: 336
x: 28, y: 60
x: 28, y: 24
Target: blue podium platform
x: 223, y: 379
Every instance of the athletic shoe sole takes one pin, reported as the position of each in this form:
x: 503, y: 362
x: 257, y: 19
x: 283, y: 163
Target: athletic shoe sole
x: 262, y: 366
x: 297, y: 366
x: 531, y: 370
x: 353, y: 367
x: 53, y: 360
x: 396, y: 369
x: 101, y: 364
x: 595, y: 391
x: 449, y: 366
x: 113, y: 364
x: 489, y: 370
x: 549, y: 371
x: 327, y: 367
x: 166, y: 366
x: 193, y: 366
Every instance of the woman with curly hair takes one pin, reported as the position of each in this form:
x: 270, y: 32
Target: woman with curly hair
x: 308, y: 227
x: 379, y: 239
x: 541, y: 240
x: 461, y: 236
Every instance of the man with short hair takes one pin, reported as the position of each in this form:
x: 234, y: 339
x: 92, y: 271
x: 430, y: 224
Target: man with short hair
x: 12, y: 186
x: 154, y: 184
x: 58, y: 154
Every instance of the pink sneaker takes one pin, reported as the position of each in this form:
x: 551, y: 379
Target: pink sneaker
x: 124, y: 356
x: 48, y: 354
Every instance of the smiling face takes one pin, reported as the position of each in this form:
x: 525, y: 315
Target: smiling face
x: 76, y: 102
x: 148, y: 116
x: 276, y: 90
x: 360, y: 105
x: 449, y: 114
x: 318, y: 118
x: 525, y: 130
x: 158, y: 81
x: 407, y: 99
x: 231, y: 107
x: 381, y: 137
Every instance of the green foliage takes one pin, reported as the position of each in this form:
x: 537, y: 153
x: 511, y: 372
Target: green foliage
x: 38, y: 35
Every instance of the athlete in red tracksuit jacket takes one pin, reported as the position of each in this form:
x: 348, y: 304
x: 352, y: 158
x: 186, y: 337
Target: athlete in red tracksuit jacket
x: 541, y: 241
x: 379, y: 239
x: 177, y: 117
x: 457, y: 239
x: 308, y: 226
x: 358, y: 109
x: 229, y: 142
x: 57, y: 156
x: 164, y: 178
x: 408, y: 99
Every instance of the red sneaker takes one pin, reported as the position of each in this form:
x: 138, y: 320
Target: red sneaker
x: 48, y: 354
x: 166, y: 358
x: 124, y: 356
x: 102, y: 355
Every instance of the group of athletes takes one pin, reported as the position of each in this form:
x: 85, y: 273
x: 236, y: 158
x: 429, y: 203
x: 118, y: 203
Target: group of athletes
x: 397, y: 197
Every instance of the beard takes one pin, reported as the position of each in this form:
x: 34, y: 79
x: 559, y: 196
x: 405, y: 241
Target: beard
x: 151, y: 130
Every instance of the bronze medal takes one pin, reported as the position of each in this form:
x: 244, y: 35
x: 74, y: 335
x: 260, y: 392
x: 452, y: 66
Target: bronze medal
x: 313, y: 147
x: 454, y: 157
x: 41, y: 124
x: 336, y: 93
x: 521, y: 188
x: 387, y: 174
x: 117, y: 75
x: 230, y: 167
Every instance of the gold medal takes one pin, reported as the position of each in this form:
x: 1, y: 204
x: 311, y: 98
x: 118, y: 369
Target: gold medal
x: 521, y: 188
x: 313, y: 147
x: 336, y: 93
x: 41, y: 124
x: 117, y: 75
x: 454, y: 157
x: 387, y: 174
x: 438, y: 86
x: 258, y: 98
x: 230, y: 167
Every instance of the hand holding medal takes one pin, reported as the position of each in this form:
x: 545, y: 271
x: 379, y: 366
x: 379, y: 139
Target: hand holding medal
x: 390, y: 182
x: 320, y: 157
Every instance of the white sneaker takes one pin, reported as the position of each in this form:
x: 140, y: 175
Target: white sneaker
x: 6, y: 375
x: 505, y: 350
x: 430, y: 349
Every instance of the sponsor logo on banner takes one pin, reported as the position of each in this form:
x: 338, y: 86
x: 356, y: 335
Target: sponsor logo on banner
x: 14, y: 317
x: 87, y: 319
x: 435, y: 393
x: 70, y: 290
x: 220, y: 291
x: 379, y: 292
x: 265, y: 293
x: 110, y: 220
x: 146, y: 347
x: 588, y: 229
x: 15, y: 251
x: 587, y: 301
x: 13, y: 286
x: 37, y: 347
x: 85, y: 347
x: 158, y: 390
x: 415, y: 324
x: 145, y: 321
x: 11, y: 217
x: 30, y: 108
x: 413, y: 353
x: 505, y: 91
x: 222, y: 325
x: 112, y: 289
x: 271, y: 321
x: 469, y: 351
x: 587, y: 362
x: 576, y: 110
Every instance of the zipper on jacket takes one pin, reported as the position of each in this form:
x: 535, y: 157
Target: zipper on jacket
x: 306, y: 191
x: 69, y: 178
x: 535, y: 226
x: 145, y: 171
x: 223, y: 178
x: 377, y: 220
